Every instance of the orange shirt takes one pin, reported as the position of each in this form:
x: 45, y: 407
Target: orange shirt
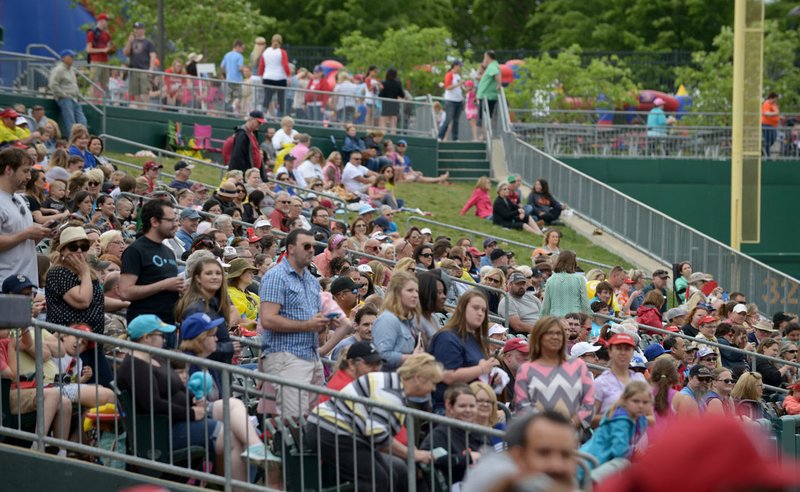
x: 770, y: 107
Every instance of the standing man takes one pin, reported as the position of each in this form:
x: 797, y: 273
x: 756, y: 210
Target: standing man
x: 524, y: 307
x: 141, y: 53
x: 489, y: 85
x: 18, y: 233
x: 231, y: 67
x: 98, y: 46
x: 182, y: 172
x: 770, y: 119
x: 292, y: 320
x: 64, y: 86
x: 246, y: 153
x: 149, y: 275
x: 453, y: 101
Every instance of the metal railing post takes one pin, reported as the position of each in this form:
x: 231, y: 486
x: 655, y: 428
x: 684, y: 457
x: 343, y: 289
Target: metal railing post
x: 226, y: 423
x: 39, y: 359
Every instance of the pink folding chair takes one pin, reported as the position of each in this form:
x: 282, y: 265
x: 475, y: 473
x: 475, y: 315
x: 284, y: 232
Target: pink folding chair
x: 203, y: 139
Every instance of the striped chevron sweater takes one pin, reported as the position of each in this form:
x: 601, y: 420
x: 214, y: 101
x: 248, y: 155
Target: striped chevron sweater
x: 566, y: 388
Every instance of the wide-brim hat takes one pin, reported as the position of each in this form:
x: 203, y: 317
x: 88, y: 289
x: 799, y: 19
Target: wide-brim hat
x: 71, y: 235
x: 238, y: 267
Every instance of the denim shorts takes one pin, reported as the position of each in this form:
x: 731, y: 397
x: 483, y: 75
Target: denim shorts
x: 200, y: 433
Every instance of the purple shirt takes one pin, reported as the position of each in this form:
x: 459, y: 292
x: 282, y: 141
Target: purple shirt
x: 608, y: 388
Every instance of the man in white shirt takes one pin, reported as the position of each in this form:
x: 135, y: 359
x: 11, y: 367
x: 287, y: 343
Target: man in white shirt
x: 355, y: 177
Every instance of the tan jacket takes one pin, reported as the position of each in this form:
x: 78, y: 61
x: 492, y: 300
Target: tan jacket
x: 62, y: 82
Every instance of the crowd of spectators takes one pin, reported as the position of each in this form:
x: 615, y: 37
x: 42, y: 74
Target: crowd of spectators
x: 403, y: 317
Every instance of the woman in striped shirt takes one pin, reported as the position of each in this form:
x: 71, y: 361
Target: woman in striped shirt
x: 359, y: 436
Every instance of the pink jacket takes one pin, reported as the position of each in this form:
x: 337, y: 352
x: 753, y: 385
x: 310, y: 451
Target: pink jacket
x: 482, y: 203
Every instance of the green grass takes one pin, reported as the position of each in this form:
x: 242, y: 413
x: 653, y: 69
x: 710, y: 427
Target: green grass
x: 445, y: 202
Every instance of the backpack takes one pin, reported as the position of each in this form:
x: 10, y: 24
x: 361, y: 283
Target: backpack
x: 97, y: 32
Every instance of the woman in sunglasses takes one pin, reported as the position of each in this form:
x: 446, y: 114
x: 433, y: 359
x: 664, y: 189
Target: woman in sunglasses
x: 719, y: 400
x: 423, y: 256
x: 74, y: 295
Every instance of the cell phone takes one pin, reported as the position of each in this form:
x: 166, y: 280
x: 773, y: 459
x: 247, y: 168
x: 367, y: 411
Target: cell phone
x: 54, y: 224
x: 332, y: 315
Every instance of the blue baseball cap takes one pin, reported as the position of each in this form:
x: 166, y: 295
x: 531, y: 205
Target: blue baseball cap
x: 16, y: 283
x: 402, y: 142
x: 654, y: 350
x: 145, y: 324
x: 366, y: 208
x: 64, y: 53
x: 198, y: 323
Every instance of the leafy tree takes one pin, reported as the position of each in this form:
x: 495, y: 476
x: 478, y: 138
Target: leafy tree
x: 549, y: 82
x: 203, y: 26
x: 418, y: 54
x: 711, y: 79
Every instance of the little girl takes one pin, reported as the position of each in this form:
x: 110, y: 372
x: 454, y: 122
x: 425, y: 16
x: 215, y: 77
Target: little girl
x: 471, y: 109
x: 379, y: 195
x: 622, y: 425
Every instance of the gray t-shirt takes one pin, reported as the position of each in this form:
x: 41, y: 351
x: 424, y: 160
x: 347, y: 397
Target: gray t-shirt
x: 526, y: 307
x: 21, y: 259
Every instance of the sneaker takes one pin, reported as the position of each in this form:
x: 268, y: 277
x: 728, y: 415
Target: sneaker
x: 256, y: 453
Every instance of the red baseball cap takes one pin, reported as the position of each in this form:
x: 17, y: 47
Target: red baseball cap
x: 150, y: 165
x: 707, y: 319
x: 622, y: 339
x: 102, y: 17
x: 326, y: 202
x: 253, y: 239
x: 87, y: 329
x: 630, y: 281
x: 516, y: 344
x: 9, y: 113
x: 475, y: 251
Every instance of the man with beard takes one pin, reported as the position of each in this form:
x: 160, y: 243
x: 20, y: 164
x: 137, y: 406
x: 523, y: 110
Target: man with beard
x: 18, y: 233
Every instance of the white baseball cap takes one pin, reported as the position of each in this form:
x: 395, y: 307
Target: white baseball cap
x: 425, y: 230
x: 582, y: 348
x: 497, y: 329
x: 740, y: 308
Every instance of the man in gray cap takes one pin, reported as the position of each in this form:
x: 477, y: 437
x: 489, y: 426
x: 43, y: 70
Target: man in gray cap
x: 64, y: 86
x: 189, y: 218
x: 524, y: 307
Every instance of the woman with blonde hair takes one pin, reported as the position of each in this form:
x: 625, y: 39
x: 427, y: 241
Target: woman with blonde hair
x: 207, y: 293
x: 259, y: 45
x: 747, y: 394
x: 79, y: 146
x: 273, y: 67
x: 495, y: 278
x: 332, y: 171
x: 480, y: 199
x: 396, y: 332
x: 112, y: 243
x: 405, y: 265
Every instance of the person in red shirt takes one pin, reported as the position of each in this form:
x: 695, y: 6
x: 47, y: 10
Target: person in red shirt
x: 316, y: 102
x: 360, y: 358
x: 770, y: 119
x: 282, y: 202
x: 98, y: 46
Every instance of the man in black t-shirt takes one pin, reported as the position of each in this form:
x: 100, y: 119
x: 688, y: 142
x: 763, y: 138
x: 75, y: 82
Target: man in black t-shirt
x: 141, y: 53
x: 149, y: 277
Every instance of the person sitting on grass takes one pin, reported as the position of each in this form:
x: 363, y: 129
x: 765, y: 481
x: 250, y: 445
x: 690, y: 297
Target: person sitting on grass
x: 507, y: 214
x: 480, y: 199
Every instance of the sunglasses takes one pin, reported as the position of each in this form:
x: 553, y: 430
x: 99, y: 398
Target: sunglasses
x: 22, y: 208
x: 308, y: 246
x: 94, y: 183
x: 426, y: 255
x: 710, y: 358
x: 705, y: 380
x: 790, y: 351
x: 726, y: 381
x: 78, y: 246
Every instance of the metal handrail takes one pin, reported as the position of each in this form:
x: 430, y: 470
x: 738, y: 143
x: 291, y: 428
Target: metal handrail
x: 473, y: 232
x: 588, y: 196
x: 753, y: 355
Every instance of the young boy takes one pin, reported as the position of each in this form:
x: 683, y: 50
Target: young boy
x: 71, y: 374
x: 54, y: 203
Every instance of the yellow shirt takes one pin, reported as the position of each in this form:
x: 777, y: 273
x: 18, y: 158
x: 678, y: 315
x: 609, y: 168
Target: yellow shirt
x: 591, y: 286
x: 246, y: 303
x: 9, y: 135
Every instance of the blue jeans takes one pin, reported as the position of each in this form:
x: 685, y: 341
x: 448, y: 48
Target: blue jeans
x: 71, y: 113
x: 768, y: 136
x: 452, y: 111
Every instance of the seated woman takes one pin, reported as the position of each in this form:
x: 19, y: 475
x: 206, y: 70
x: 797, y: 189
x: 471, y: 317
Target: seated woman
x: 542, y: 204
x: 462, y: 345
x: 462, y: 447
x: 550, y: 247
x: 396, y: 332
x: 508, y: 214
x: 240, y: 276
x: 157, y: 389
x: 337, y: 428
x: 747, y: 394
x: 486, y: 411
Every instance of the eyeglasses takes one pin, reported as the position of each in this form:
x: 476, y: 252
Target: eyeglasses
x: 117, y: 241
x: 790, y: 351
x: 704, y: 380
x: 712, y: 359
x: 307, y: 246
x: 78, y: 246
x: 484, y: 402
x: 284, y: 201
x: 493, y: 280
x: 168, y: 219
x: 726, y: 381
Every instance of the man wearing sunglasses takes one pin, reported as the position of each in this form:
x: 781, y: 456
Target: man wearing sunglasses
x: 292, y: 318
x: 691, y: 399
x: 282, y: 204
x: 18, y: 233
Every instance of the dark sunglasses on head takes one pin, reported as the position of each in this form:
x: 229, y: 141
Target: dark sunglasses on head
x: 76, y: 246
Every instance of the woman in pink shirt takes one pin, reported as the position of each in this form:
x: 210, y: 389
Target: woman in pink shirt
x: 480, y: 199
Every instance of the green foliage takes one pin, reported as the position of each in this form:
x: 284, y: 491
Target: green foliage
x: 418, y: 54
x: 203, y: 26
x: 563, y: 77
x: 710, y: 80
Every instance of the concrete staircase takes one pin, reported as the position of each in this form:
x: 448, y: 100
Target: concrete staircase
x: 465, y: 161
